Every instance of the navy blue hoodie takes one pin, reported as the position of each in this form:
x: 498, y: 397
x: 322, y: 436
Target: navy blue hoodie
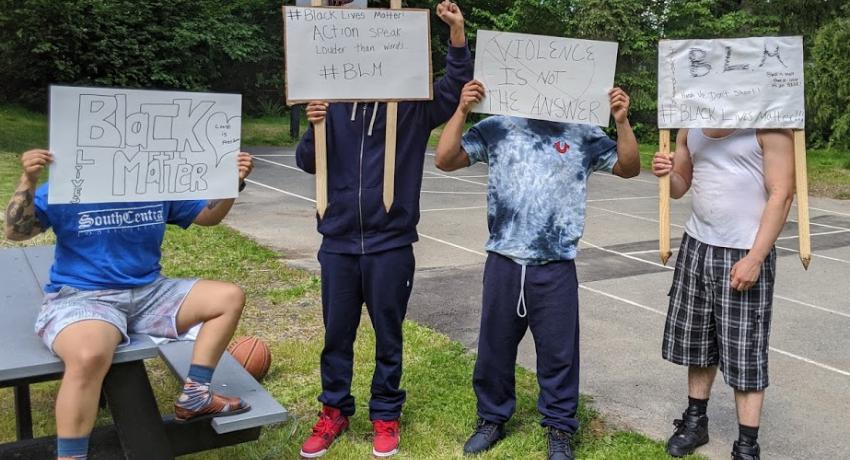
x: 356, y: 221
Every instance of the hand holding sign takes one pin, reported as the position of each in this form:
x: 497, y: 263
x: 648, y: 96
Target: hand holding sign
x: 34, y: 162
x: 470, y: 96
x: 620, y: 103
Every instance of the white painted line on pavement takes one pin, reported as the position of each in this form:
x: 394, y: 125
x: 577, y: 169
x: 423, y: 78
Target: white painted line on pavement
x: 453, y: 193
x: 628, y: 198
x: 453, y: 209
x: 800, y: 302
x: 774, y: 349
x: 794, y: 237
x: 480, y: 176
x: 456, y: 246
x: 279, y: 164
x: 648, y: 219
x: 446, y: 176
x: 251, y: 181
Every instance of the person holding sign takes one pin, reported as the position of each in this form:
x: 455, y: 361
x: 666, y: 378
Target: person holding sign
x: 367, y: 253
x: 536, y: 212
x: 742, y: 183
x: 106, y: 283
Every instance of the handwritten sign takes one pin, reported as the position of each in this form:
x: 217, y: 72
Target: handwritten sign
x: 119, y: 145
x: 357, y: 55
x: 731, y: 83
x: 545, y: 78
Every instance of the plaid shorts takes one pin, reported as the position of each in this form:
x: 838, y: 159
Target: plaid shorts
x: 709, y: 323
x: 150, y: 309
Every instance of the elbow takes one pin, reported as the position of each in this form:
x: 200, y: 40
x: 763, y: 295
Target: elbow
x: 442, y: 162
x: 632, y: 172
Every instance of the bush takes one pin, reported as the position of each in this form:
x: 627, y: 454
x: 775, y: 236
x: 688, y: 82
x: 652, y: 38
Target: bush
x: 167, y: 44
x: 828, y: 84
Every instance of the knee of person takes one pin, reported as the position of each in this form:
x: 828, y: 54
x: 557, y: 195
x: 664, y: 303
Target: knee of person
x: 88, y: 361
x: 235, y: 297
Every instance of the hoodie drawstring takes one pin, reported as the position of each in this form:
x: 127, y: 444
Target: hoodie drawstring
x: 374, y: 115
x: 521, y: 310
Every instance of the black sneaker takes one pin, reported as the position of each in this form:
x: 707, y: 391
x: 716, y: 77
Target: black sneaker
x: 559, y: 445
x: 485, y: 436
x: 691, y: 432
x: 745, y: 451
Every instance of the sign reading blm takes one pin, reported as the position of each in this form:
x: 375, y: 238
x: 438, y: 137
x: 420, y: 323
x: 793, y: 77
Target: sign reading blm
x: 335, y: 54
x: 121, y: 145
x: 731, y: 83
x: 545, y: 78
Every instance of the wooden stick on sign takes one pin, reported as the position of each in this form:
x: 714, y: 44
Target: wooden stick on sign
x: 320, y: 132
x: 664, y: 201
x: 802, y: 186
x: 390, y: 144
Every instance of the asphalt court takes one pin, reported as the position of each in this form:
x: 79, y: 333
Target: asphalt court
x: 623, y: 299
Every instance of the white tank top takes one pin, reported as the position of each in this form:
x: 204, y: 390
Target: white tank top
x: 728, y: 188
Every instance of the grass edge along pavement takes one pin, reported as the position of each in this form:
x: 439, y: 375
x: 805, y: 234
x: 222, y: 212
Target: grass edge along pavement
x: 284, y: 310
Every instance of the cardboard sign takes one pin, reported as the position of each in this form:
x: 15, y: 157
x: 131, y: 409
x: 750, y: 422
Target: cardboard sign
x: 545, y: 78
x: 731, y: 83
x: 345, y: 54
x: 123, y: 145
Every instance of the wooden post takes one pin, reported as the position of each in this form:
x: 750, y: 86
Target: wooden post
x: 320, y: 132
x: 664, y: 201
x: 390, y: 144
x: 802, y: 186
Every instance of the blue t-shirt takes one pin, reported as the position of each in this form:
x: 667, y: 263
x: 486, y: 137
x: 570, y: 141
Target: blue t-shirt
x: 537, y: 190
x: 109, y: 245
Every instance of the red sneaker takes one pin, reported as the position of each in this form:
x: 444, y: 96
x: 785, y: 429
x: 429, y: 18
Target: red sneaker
x: 331, y: 424
x: 385, y: 443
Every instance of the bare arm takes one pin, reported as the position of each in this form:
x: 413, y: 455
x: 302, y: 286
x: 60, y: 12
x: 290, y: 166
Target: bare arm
x: 778, y: 148
x: 679, y: 167
x: 21, y: 221
x: 216, y: 210
x: 628, y: 155
x: 450, y: 154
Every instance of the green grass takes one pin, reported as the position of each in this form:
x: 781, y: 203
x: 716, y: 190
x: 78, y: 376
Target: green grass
x: 269, y: 131
x: 284, y: 310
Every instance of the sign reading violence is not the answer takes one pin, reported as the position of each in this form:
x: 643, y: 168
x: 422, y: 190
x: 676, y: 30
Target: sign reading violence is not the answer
x: 545, y: 78
x: 122, y: 145
x: 731, y: 83
x: 335, y: 54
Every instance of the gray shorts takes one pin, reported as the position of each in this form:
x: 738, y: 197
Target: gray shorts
x: 150, y: 309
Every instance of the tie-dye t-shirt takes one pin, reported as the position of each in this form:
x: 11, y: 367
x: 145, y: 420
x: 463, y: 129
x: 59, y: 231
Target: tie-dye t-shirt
x: 537, y: 189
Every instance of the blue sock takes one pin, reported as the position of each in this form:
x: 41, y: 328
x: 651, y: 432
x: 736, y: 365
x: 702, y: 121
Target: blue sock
x: 201, y: 374
x: 72, y: 447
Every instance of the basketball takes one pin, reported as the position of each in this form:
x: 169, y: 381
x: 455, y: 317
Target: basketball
x: 253, y: 354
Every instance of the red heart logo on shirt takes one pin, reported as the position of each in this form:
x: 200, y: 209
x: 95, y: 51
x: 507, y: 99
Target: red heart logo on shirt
x: 562, y: 148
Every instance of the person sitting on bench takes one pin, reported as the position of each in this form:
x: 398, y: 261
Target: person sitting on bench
x: 106, y: 282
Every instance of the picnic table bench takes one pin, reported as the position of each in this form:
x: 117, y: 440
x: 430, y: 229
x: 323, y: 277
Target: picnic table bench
x: 138, y: 431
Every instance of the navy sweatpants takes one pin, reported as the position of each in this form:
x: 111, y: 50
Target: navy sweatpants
x: 383, y: 281
x: 551, y: 304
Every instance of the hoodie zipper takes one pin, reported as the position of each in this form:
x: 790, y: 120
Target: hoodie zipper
x: 360, y: 188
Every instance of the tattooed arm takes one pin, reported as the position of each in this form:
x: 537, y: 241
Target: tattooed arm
x: 216, y: 210
x: 21, y: 221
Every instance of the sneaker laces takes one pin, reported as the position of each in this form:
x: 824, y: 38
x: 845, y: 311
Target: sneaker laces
x: 324, y: 427
x: 484, y: 427
x: 383, y: 427
x: 559, y: 441
x: 685, y: 426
